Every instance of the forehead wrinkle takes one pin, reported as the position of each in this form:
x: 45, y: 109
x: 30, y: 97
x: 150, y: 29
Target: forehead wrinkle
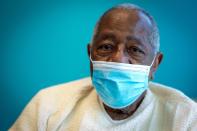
x: 108, y: 36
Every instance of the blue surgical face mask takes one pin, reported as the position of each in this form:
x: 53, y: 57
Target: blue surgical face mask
x: 119, y: 84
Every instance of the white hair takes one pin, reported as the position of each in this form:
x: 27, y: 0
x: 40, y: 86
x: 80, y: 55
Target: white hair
x: 153, y: 38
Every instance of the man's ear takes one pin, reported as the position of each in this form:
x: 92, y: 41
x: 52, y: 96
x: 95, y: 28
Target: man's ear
x: 88, y: 49
x: 156, y: 64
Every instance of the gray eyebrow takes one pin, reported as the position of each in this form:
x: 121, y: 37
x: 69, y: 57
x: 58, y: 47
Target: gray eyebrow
x: 131, y: 38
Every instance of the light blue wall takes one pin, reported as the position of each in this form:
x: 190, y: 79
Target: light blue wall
x: 44, y: 44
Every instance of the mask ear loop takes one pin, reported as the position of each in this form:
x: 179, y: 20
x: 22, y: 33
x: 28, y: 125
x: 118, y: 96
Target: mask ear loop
x: 153, y: 61
x: 90, y: 58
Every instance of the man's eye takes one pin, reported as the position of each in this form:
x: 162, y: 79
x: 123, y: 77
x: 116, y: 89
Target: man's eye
x: 135, y: 50
x: 106, y: 47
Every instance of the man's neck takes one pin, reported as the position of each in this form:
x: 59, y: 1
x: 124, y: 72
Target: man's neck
x: 120, y: 114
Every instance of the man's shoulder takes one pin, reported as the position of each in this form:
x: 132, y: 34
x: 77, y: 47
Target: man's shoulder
x: 66, y: 92
x: 175, y: 106
x: 50, y: 103
x: 69, y: 87
x: 171, y: 95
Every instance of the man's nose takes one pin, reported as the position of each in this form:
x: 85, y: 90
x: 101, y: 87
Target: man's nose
x: 119, y: 56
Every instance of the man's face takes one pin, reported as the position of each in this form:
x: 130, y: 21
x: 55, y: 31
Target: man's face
x: 123, y: 36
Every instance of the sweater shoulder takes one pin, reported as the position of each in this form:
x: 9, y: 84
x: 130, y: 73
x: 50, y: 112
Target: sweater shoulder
x: 171, y: 95
x: 177, y: 105
x: 69, y: 88
x: 63, y: 94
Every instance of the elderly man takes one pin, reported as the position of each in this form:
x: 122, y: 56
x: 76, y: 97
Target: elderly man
x: 124, y: 55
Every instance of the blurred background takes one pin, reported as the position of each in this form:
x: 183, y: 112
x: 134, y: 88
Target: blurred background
x: 43, y: 43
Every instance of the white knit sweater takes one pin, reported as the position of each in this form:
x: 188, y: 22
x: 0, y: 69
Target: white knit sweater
x: 75, y: 106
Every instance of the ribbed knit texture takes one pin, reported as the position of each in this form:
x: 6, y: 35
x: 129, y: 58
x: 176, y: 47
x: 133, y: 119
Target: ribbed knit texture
x: 75, y: 106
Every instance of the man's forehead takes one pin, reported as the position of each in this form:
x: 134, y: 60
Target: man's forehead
x: 121, y: 13
x: 125, y: 20
x: 119, y: 18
